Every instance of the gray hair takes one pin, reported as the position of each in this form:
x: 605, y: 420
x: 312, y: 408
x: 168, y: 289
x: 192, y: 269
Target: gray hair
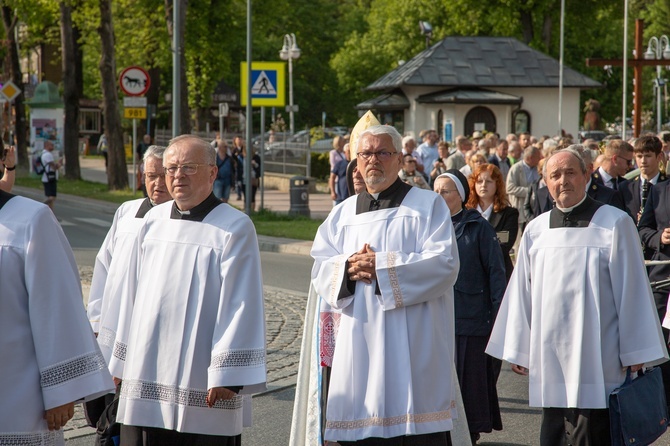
x: 153, y: 151
x: 530, y: 151
x: 572, y: 151
x: 584, y: 152
x: 382, y: 130
x: 407, y: 139
x: 207, y: 149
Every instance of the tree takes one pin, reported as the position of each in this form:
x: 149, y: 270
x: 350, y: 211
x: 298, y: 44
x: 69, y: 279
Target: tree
x: 117, y: 171
x: 9, y: 19
x: 70, y: 93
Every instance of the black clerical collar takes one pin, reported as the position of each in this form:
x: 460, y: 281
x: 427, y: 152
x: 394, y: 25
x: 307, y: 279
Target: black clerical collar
x: 198, y: 213
x: 579, y: 217
x: 457, y: 216
x: 388, y: 198
x: 144, y: 208
x: 5, y: 197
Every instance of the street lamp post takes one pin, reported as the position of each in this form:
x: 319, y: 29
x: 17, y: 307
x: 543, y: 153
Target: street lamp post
x: 290, y: 51
x: 656, y: 49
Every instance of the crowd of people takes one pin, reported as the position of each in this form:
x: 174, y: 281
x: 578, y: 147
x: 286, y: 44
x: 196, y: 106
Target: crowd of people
x: 572, y: 312
x: 433, y: 268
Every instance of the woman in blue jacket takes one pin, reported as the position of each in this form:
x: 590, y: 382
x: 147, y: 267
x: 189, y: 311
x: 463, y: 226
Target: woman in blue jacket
x: 477, y: 295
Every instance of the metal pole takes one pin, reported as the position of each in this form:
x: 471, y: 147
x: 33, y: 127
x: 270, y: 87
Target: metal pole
x: 220, y: 121
x: 560, y: 72
x: 290, y: 89
x: 261, y: 182
x: 658, y: 94
x: 249, y: 122
x: 134, y: 156
x: 625, y: 69
x: 176, y: 68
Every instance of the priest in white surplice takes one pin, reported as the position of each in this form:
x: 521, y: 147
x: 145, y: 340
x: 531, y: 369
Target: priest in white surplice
x: 578, y: 308
x: 112, y: 269
x: 387, y: 261
x: 196, y: 336
x: 49, y: 355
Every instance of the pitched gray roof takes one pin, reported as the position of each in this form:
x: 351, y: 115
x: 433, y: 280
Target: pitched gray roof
x: 481, y: 62
x: 469, y: 96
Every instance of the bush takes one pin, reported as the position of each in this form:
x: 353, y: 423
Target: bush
x: 321, y: 166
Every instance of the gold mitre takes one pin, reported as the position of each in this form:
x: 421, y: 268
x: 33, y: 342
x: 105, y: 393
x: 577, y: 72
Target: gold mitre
x: 366, y: 121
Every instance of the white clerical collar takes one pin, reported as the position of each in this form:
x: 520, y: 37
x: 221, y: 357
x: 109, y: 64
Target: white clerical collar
x: 487, y: 213
x: 453, y: 215
x: 566, y: 210
x: 375, y: 196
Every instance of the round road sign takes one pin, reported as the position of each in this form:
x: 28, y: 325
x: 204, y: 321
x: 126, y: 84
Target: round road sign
x: 134, y: 81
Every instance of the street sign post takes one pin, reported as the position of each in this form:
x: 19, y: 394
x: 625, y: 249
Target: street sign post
x: 134, y: 81
x: 267, y: 84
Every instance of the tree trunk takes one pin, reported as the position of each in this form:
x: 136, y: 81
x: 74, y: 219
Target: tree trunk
x: 10, y: 21
x: 117, y: 171
x: 70, y: 95
x: 152, y: 98
x: 527, y: 26
x: 185, y: 115
x: 546, y: 33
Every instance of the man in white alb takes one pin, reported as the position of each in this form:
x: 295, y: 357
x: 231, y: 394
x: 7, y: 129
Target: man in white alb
x: 49, y: 355
x: 387, y: 260
x: 195, y: 342
x: 578, y: 308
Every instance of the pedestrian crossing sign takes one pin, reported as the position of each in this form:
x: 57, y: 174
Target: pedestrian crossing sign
x: 267, y: 84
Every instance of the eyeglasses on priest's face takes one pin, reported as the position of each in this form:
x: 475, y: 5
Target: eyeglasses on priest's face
x: 187, y: 169
x: 382, y: 155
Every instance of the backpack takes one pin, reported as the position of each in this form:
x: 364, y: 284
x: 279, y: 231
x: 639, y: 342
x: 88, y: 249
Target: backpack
x: 38, y: 167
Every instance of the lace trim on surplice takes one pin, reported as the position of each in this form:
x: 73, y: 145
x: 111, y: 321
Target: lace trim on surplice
x: 238, y: 358
x: 182, y: 396
x: 30, y: 438
x: 390, y: 421
x: 72, y: 369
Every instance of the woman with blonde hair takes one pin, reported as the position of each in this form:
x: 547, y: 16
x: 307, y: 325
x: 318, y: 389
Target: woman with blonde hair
x: 489, y: 197
x: 476, y: 160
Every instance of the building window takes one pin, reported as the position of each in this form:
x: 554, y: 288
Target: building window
x: 89, y: 121
x: 394, y: 118
x: 521, y: 121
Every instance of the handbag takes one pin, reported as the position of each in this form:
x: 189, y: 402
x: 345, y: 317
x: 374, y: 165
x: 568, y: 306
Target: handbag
x: 638, y: 410
x: 108, y: 431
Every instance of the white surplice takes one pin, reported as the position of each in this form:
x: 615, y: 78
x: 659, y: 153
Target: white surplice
x: 49, y: 354
x: 578, y: 308
x: 393, y: 359
x: 197, y: 322
x: 111, y: 267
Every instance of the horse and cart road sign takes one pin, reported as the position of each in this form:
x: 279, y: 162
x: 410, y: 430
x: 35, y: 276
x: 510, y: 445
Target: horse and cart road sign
x: 134, y: 81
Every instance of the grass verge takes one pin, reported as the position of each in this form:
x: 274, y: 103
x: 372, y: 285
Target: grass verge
x: 267, y: 222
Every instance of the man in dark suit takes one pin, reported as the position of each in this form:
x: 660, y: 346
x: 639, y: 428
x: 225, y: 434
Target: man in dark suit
x: 617, y: 162
x: 606, y: 181
x: 654, y: 230
x: 648, y: 158
x: 500, y: 160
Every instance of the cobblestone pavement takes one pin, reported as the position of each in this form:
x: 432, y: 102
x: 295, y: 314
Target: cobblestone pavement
x: 284, y: 315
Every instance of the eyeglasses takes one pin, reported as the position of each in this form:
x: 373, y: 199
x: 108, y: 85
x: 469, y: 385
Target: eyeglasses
x: 446, y: 192
x: 381, y: 155
x: 187, y: 169
x: 629, y: 162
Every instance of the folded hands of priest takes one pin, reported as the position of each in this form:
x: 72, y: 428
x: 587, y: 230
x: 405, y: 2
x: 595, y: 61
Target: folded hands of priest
x: 361, y: 266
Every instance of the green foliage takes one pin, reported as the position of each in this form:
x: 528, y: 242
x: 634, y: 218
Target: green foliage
x: 320, y: 166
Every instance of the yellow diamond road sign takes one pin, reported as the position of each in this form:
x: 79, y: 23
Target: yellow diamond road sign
x: 10, y: 91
